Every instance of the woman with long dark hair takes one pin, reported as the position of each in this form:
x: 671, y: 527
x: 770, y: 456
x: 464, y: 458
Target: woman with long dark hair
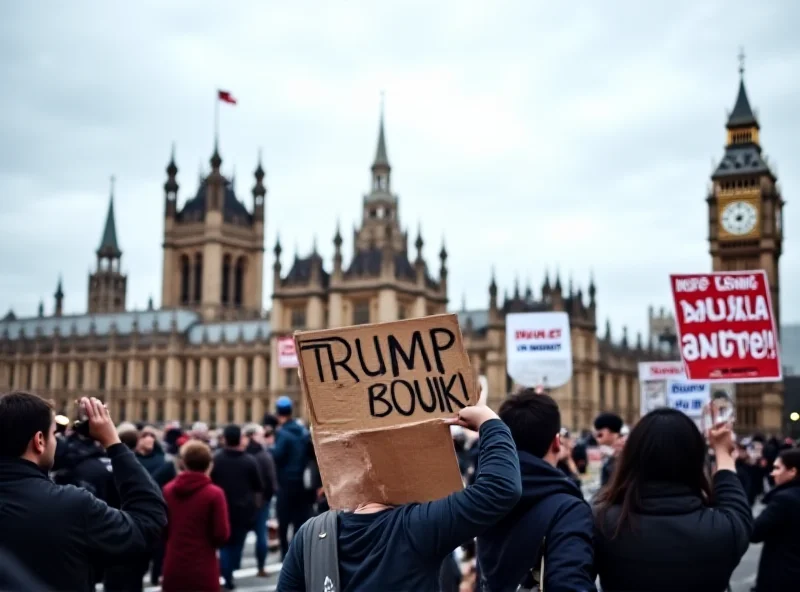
x: 660, y: 524
x: 778, y: 527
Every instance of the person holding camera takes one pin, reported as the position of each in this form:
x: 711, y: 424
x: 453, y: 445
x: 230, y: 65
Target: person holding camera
x: 64, y: 529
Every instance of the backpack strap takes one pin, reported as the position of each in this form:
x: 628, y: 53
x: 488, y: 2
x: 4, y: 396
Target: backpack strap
x: 321, y: 552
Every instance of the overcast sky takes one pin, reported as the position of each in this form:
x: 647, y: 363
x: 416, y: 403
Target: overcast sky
x: 531, y: 135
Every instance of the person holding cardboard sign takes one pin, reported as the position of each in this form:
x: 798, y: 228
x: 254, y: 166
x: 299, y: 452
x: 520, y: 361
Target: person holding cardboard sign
x: 382, y: 547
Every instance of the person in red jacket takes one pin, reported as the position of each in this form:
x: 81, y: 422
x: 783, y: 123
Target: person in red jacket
x: 198, y: 524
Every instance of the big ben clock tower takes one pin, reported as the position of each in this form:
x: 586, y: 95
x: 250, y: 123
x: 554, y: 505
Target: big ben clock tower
x: 745, y: 231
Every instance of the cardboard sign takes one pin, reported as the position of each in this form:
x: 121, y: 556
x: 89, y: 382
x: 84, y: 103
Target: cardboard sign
x: 726, y: 328
x: 376, y: 395
x: 538, y: 348
x: 287, y: 354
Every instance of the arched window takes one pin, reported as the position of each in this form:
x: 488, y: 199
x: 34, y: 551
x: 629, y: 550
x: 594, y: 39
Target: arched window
x: 226, y: 279
x: 198, y: 277
x: 238, y: 281
x: 184, y: 266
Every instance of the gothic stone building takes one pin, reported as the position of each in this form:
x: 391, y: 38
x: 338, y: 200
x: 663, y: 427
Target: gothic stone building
x: 745, y: 231
x: 209, y: 352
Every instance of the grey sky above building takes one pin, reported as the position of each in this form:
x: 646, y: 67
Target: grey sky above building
x: 532, y: 137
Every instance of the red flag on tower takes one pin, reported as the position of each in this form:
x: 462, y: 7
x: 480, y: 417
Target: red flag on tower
x: 226, y: 97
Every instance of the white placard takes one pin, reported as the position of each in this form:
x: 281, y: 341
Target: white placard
x: 689, y: 397
x: 538, y: 348
x: 287, y: 356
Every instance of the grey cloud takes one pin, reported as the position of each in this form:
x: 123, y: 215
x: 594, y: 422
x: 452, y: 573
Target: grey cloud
x: 531, y: 135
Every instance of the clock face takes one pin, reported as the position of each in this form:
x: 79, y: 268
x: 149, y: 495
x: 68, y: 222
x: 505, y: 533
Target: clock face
x: 739, y: 218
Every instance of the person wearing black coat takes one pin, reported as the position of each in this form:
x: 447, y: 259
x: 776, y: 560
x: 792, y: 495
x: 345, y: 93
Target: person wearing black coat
x: 778, y: 526
x: 237, y: 474
x: 659, y: 527
x: 81, y: 462
x: 59, y: 532
x: 551, y: 510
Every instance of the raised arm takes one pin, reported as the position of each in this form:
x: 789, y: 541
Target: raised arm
x: 731, y: 508
x: 436, y: 528
x: 143, y: 513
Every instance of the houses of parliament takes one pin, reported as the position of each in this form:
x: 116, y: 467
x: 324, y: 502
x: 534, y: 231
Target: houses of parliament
x: 209, y: 353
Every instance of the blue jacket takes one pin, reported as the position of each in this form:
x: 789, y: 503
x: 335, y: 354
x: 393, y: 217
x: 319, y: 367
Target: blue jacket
x: 403, y: 548
x: 551, y: 506
x: 290, y: 453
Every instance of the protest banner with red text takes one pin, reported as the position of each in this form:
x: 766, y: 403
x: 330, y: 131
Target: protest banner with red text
x: 726, y: 327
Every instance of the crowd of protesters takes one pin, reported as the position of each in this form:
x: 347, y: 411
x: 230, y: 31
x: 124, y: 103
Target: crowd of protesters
x: 120, y: 505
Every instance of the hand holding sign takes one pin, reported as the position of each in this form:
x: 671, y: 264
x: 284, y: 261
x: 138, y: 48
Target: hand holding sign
x: 473, y: 417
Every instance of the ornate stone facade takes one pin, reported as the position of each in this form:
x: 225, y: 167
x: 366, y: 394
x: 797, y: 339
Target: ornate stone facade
x: 209, y: 353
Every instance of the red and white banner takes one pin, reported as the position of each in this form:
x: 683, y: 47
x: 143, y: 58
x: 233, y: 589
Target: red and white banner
x: 287, y: 355
x: 726, y: 328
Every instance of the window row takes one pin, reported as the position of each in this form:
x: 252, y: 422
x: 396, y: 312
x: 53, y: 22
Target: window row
x: 221, y: 374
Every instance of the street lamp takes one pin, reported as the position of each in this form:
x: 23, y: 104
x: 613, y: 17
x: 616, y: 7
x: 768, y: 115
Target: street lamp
x: 794, y: 416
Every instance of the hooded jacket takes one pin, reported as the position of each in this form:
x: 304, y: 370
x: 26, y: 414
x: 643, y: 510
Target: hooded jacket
x: 291, y: 453
x: 777, y: 526
x: 198, y: 526
x: 551, y: 507
x: 675, y: 541
x: 84, y: 464
x: 61, y: 532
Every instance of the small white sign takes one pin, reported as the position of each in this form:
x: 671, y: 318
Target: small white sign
x: 287, y: 355
x: 538, y: 348
x: 689, y: 397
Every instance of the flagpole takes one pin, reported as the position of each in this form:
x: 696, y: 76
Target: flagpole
x: 216, y: 119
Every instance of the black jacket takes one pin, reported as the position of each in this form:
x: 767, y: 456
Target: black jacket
x: 83, y: 463
x: 15, y: 577
x: 778, y: 527
x: 266, y: 468
x: 552, y: 507
x: 61, y: 532
x: 237, y: 474
x: 676, y: 542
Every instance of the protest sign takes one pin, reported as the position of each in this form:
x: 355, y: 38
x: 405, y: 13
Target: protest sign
x: 376, y: 395
x: 688, y: 397
x: 653, y: 377
x: 287, y: 355
x: 538, y: 348
x: 664, y: 384
x: 726, y: 328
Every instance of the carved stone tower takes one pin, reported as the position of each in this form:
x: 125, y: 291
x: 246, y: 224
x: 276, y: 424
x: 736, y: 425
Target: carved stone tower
x: 107, y: 284
x: 745, y: 231
x: 214, y: 246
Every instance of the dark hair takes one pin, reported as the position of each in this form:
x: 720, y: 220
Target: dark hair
x: 196, y: 456
x: 232, y: 434
x: 664, y: 446
x: 791, y: 459
x: 22, y: 416
x: 130, y: 438
x: 612, y: 421
x: 534, y: 420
